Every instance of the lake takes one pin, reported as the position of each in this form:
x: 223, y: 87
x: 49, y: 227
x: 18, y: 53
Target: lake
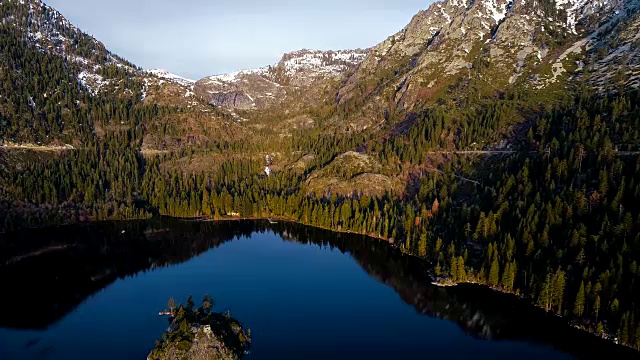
x: 94, y: 291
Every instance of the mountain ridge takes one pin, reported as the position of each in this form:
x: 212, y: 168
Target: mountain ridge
x: 263, y: 87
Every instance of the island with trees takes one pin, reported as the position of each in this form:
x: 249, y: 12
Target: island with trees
x: 200, y: 333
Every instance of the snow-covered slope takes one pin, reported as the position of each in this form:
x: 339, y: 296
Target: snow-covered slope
x: 50, y: 32
x: 262, y: 87
x: 47, y: 30
x: 315, y: 63
x: 580, y: 10
x: 236, y: 76
x: 166, y: 75
x: 303, y: 64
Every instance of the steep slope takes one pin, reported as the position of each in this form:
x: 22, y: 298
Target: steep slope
x: 496, y: 43
x: 613, y: 51
x: 47, y: 30
x: 62, y: 86
x: 264, y: 87
x: 98, y: 68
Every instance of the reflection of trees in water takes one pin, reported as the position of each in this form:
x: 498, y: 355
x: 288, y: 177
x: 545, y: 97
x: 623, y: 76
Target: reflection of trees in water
x: 59, y: 268
x: 479, y: 311
x: 406, y: 275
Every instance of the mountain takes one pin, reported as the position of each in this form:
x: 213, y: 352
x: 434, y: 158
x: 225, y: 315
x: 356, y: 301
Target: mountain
x: 264, y: 87
x: 47, y: 30
x: 541, y: 45
x: 67, y: 88
x: 480, y: 48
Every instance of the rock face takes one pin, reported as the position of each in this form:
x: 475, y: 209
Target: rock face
x: 352, y: 173
x: 304, y: 67
x: 243, y: 90
x: 613, y: 50
x: 507, y: 42
x: 518, y: 42
x: 265, y: 87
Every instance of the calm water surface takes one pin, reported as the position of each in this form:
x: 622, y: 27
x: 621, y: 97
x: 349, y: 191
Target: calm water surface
x: 94, y: 292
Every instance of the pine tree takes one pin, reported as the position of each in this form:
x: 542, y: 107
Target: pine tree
x: 462, y: 273
x: 453, y: 269
x: 508, y: 276
x: 558, y: 290
x: 615, y: 306
x: 494, y: 272
x: 596, y: 307
x: 207, y: 304
x: 172, y: 305
x: 545, y: 296
x: 578, y: 307
x: 190, y: 304
x: 422, y: 245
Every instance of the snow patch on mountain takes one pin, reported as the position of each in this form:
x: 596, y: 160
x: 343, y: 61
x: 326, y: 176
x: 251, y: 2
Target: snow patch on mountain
x: 303, y: 63
x: 166, y: 75
x: 579, y: 9
x: 444, y: 13
x: 458, y: 3
x: 330, y: 63
x: 236, y: 75
x: 495, y: 11
x: 47, y: 30
x: 266, y: 86
x: 92, y: 82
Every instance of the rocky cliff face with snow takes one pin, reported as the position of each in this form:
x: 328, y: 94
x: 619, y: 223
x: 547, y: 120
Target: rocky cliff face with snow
x: 503, y: 43
x: 264, y: 87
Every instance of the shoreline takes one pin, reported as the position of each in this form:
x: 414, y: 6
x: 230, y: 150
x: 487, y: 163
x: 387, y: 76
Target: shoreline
x: 607, y: 336
x: 280, y: 219
x: 443, y: 282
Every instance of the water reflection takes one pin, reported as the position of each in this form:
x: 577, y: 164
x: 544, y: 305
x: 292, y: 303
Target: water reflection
x: 49, y: 272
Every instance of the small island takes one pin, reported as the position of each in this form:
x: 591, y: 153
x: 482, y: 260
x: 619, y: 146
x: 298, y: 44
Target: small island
x: 199, y: 334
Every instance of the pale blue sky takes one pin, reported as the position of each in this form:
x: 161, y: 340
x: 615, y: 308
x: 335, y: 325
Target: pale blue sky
x: 196, y: 38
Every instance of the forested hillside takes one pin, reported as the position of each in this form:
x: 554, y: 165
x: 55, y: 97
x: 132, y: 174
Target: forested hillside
x: 529, y: 183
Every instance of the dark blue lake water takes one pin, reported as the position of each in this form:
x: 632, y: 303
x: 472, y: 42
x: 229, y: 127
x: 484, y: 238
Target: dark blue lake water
x: 94, y: 292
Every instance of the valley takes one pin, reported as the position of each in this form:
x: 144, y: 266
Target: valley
x: 496, y: 140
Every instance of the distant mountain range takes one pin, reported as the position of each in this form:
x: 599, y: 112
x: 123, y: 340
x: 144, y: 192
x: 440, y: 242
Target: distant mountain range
x: 546, y: 45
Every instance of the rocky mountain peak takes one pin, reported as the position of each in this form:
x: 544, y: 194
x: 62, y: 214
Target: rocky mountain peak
x: 305, y: 65
x: 263, y: 87
x: 532, y: 41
